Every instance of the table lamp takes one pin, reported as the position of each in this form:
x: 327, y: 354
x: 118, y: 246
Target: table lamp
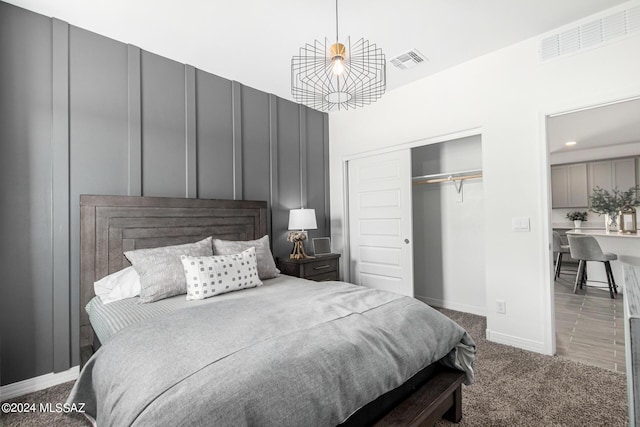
x: 299, y: 221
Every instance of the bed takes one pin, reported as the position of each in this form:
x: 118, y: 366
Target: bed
x: 290, y: 352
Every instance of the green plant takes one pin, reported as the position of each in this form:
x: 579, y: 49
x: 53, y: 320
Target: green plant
x: 577, y: 216
x: 605, y: 202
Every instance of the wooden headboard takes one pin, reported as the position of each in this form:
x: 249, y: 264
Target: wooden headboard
x: 111, y: 225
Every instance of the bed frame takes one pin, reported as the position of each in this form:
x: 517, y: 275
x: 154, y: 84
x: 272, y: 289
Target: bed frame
x: 111, y: 225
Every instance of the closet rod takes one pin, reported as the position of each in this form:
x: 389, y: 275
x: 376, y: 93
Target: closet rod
x: 446, y: 177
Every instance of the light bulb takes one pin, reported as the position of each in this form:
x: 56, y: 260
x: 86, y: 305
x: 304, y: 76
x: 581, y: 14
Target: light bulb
x: 337, y: 68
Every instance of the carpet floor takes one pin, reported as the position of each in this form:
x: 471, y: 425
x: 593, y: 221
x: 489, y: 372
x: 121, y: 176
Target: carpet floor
x: 516, y: 387
x: 513, y: 387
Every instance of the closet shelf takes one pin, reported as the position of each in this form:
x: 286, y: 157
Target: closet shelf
x: 447, y: 177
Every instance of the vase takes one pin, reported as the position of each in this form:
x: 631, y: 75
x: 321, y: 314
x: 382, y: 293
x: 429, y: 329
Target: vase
x: 610, y: 222
x: 577, y: 223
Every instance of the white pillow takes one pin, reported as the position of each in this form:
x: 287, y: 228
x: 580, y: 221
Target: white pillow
x: 119, y: 285
x: 207, y: 276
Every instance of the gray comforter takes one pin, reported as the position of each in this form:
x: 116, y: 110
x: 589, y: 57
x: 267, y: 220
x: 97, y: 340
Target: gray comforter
x: 303, y: 354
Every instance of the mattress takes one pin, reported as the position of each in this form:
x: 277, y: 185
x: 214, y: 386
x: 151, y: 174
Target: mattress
x: 109, y: 319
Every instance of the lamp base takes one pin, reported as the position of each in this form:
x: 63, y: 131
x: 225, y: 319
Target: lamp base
x: 298, y: 251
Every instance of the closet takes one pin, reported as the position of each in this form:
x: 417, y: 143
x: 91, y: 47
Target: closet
x: 448, y: 224
x: 416, y: 223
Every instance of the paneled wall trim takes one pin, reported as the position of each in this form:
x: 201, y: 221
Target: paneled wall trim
x: 91, y: 115
x: 134, y: 187
x: 60, y: 185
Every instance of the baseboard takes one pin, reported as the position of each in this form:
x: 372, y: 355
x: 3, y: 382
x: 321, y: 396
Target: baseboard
x: 518, y: 342
x: 30, y: 385
x: 465, y: 308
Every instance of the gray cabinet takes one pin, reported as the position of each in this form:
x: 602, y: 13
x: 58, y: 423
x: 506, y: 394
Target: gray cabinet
x: 610, y: 174
x: 572, y: 184
x: 623, y: 173
x: 569, y: 186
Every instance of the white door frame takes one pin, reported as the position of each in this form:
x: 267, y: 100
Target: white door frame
x: 345, y: 180
x: 545, y: 205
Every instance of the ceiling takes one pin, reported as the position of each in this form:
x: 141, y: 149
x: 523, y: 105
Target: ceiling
x: 602, y: 126
x: 252, y: 41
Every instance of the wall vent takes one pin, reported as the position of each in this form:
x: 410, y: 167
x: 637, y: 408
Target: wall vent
x: 591, y: 34
x: 408, y: 59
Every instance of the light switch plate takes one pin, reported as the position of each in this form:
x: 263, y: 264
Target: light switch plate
x: 520, y: 224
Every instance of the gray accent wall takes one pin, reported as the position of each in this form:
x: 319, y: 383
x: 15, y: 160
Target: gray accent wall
x: 84, y: 114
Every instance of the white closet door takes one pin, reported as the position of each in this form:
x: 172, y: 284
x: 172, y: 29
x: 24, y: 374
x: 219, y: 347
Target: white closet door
x: 380, y: 227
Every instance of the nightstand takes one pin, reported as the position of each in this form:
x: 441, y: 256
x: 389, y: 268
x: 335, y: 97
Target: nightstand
x: 320, y: 269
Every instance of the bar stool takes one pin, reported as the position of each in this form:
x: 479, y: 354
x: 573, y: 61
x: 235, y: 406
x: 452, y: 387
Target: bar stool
x: 586, y: 248
x: 559, y: 249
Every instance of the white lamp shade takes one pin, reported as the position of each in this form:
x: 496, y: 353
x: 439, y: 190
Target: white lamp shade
x: 302, y: 219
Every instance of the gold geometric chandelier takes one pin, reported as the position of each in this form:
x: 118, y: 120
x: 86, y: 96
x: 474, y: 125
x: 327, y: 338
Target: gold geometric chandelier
x: 328, y: 76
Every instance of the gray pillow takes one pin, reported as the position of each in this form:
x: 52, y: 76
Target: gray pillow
x: 160, y: 269
x: 266, y: 266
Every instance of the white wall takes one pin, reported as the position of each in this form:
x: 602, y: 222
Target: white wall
x: 506, y: 93
x: 448, y: 233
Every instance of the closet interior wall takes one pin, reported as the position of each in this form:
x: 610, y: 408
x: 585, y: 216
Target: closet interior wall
x: 448, y: 234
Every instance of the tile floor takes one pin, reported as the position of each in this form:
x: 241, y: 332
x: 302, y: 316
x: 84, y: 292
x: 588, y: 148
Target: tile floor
x: 589, y: 325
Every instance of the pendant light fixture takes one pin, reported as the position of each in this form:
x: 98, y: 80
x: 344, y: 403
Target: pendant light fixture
x: 328, y: 76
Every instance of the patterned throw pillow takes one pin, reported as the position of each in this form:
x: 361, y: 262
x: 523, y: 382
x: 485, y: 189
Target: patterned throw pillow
x: 266, y: 265
x: 160, y: 270
x: 214, y: 275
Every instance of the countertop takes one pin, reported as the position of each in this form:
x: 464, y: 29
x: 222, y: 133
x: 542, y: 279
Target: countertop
x: 631, y: 321
x: 603, y: 233
x: 632, y: 283
x: 570, y: 226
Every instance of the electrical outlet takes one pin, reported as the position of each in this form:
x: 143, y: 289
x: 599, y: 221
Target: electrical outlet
x: 501, y: 307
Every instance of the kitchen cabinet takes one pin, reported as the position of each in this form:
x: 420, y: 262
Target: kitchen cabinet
x: 569, y: 186
x: 610, y: 174
x: 572, y: 184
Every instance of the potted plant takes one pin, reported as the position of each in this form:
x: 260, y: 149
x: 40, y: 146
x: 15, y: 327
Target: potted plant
x: 609, y: 203
x: 577, y: 218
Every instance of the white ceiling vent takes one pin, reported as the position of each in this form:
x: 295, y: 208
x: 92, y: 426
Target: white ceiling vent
x: 591, y: 34
x: 408, y: 59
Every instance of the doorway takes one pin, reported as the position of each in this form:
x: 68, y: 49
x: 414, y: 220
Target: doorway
x: 589, y: 148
